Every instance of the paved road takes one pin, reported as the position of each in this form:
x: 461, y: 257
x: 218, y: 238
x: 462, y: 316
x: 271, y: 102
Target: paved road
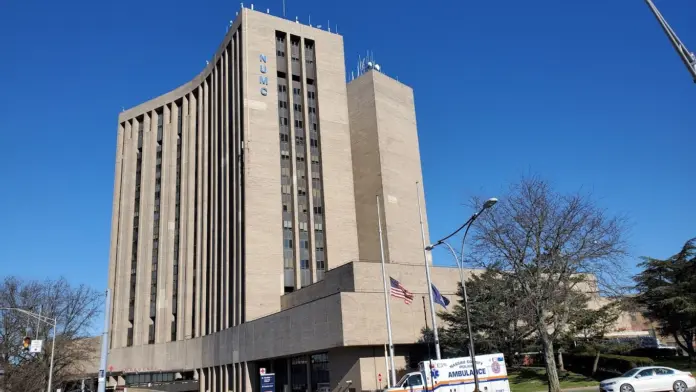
x: 591, y: 389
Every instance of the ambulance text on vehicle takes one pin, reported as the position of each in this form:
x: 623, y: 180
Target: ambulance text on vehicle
x: 456, y: 375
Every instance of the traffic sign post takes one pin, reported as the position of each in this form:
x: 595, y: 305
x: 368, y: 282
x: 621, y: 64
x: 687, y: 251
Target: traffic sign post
x: 36, y: 346
x: 267, y: 382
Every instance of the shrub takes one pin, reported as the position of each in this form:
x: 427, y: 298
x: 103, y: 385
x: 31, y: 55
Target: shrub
x: 654, y: 352
x: 582, y: 363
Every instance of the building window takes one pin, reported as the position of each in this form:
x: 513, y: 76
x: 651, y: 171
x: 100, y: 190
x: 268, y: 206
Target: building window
x: 136, y: 226
x: 319, y: 371
x: 151, y: 334
x: 156, y: 225
x: 177, y: 220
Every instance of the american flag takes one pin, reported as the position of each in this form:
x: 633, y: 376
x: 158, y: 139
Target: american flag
x: 398, y: 291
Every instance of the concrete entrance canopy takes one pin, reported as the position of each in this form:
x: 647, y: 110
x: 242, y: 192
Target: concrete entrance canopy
x: 344, y: 309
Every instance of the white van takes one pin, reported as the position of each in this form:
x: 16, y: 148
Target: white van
x: 456, y: 375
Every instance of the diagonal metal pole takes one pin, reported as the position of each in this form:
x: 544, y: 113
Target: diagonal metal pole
x: 685, y: 55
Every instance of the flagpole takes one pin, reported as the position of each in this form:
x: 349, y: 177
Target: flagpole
x: 386, y: 366
x: 386, y: 297
x: 427, y: 275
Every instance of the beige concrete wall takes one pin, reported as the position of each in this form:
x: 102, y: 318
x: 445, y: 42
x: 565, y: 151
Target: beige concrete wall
x: 264, y: 236
x: 367, y: 167
x: 264, y: 272
x: 336, y: 280
x: 360, y: 367
x: 311, y: 327
x: 384, y: 140
x: 367, y: 277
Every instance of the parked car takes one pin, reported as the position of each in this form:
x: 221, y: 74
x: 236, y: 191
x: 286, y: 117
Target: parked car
x: 650, y: 379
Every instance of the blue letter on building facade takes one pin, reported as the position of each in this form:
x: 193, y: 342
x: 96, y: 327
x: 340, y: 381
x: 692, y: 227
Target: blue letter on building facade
x: 263, y: 80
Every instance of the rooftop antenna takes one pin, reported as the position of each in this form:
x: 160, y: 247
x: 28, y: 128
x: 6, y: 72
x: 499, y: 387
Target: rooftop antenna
x: 283, y: 8
x: 297, y: 20
x: 336, y: 28
x: 268, y: 10
x: 310, y: 20
x: 252, y: 6
x: 328, y: 25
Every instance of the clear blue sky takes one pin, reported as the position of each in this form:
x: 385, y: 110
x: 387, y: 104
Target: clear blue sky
x: 585, y: 93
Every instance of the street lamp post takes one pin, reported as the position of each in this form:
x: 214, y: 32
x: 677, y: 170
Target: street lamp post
x: 47, y: 320
x: 460, y: 265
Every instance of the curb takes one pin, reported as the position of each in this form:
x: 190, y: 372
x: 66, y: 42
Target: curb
x: 595, y: 388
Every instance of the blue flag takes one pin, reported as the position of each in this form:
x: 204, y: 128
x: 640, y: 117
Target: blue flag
x: 439, y: 298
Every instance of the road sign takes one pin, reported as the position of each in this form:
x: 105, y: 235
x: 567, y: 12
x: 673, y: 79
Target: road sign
x: 36, y: 346
x: 262, y: 371
x: 268, y: 382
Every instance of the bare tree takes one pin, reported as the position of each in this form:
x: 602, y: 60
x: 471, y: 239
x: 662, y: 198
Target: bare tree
x: 75, y: 309
x: 556, y: 246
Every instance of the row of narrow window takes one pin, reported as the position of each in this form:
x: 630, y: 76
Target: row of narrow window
x: 156, y: 227
x: 299, y: 143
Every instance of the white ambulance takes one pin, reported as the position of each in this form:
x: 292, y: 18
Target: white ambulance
x: 456, y: 375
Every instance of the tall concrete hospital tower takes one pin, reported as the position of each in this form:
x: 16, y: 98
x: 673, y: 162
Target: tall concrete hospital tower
x: 244, y: 231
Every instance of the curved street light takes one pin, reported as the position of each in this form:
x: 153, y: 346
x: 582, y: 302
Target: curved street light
x: 686, y: 56
x: 460, y: 265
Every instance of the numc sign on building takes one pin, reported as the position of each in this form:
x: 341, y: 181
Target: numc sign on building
x: 263, y: 78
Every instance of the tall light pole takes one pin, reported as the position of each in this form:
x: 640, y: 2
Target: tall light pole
x: 47, y: 320
x: 685, y: 55
x: 101, y: 386
x: 460, y: 265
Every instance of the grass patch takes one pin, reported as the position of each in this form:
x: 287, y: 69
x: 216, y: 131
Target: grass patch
x: 679, y: 363
x: 534, y: 380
